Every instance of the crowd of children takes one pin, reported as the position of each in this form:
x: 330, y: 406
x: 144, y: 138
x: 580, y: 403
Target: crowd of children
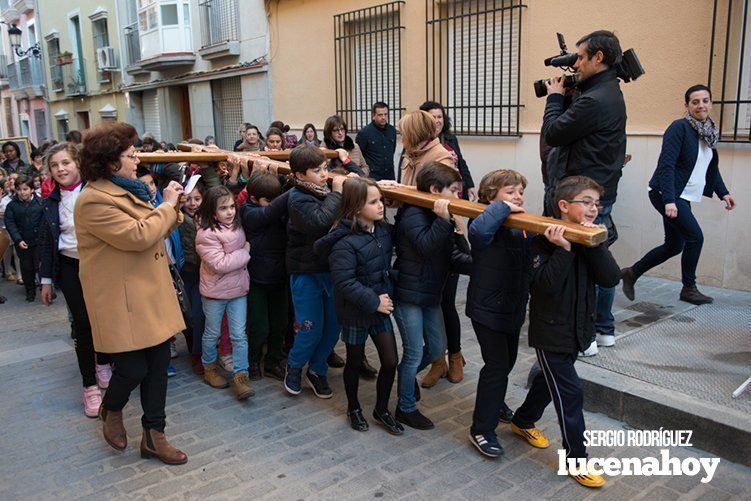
x: 259, y: 253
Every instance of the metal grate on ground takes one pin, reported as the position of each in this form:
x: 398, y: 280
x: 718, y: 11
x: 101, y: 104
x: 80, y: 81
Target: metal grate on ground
x: 704, y: 353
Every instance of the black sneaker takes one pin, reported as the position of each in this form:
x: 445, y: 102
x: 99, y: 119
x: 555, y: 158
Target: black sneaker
x: 276, y: 371
x: 506, y: 414
x: 254, y: 372
x: 293, y: 380
x: 357, y: 420
x: 487, y: 445
x: 387, y: 420
x: 319, y: 384
x: 335, y: 361
x: 414, y: 419
x: 367, y: 371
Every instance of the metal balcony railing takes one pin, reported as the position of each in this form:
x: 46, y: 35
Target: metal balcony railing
x: 3, y: 66
x: 56, y: 74
x: 25, y: 73
x: 219, y: 21
x: 74, y: 78
x: 132, y: 44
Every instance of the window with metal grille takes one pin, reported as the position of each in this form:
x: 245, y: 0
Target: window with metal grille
x: 473, y: 63
x: 228, y: 110
x: 730, y: 69
x: 218, y: 21
x: 101, y: 39
x: 367, y: 56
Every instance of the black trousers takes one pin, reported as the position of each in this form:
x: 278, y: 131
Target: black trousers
x: 29, y: 261
x: 450, y: 315
x: 70, y: 286
x: 499, y: 350
x: 147, y: 368
x: 560, y: 383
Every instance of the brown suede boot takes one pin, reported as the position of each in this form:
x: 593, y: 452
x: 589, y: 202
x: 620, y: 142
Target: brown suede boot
x: 241, y: 383
x: 437, y: 370
x: 212, y: 377
x: 456, y: 367
x: 113, y: 429
x: 154, y: 445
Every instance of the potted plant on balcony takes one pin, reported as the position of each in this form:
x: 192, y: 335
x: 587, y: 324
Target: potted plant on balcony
x: 64, y: 58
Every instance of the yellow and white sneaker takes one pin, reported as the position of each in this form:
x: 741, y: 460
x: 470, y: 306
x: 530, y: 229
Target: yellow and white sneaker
x: 531, y: 435
x: 589, y: 479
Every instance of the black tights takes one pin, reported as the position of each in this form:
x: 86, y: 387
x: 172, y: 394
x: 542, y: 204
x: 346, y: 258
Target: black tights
x: 385, y: 344
x: 450, y: 315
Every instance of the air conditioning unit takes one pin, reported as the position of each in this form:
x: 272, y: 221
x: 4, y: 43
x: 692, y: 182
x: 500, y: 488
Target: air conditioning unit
x: 105, y: 58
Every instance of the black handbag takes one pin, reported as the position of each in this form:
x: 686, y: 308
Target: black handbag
x: 182, y: 295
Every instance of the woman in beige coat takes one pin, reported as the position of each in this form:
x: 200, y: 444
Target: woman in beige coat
x: 126, y: 282
x: 421, y: 145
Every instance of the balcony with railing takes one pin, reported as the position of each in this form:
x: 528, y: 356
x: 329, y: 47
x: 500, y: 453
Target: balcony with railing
x: 4, y: 83
x: 165, y: 34
x: 133, y: 50
x: 74, y: 78
x: 25, y: 78
x: 219, y: 28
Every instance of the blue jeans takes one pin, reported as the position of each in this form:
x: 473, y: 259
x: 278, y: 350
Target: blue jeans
x: 604, y: 296
x: 423, y: 342
x: 682, y: 234
x: 237, y: 313
x: 191, y: 281
x: 315, y: 321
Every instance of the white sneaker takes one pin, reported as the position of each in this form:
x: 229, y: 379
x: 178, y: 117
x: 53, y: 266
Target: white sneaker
x: 605, y: 340
x: 225, y: 362
x: 591, y: 351
x: 173, y: 349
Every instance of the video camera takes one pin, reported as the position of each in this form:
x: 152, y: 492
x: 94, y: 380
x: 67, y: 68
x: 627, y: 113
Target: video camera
x: 628, y: 68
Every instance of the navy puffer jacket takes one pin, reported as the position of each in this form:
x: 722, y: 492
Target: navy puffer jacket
x: 265, y: 230
x: 360, y: 263
x: 501, y: 271
x: 426, y: 251
x: 310, y: 217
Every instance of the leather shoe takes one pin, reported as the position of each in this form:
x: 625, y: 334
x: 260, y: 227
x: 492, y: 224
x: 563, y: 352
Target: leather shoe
x: 629, y: 278
x: 691, y: 294
x: 387, y: 420
x: 357, y: 420
x: 154, y: 445
x: 113, y: 429
x: 414, y: 419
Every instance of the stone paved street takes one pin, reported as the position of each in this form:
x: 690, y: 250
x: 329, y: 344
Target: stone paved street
x: 274, y: 446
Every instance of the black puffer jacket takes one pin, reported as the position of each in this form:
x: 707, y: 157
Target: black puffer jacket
x: 590, y: 135
x: 501, y: 271
x: 23, y: 220
x: 360, y: 264
x: 310, y: 217
x: 266, y: 231
x: 562, y: 304
x: 426, y: 251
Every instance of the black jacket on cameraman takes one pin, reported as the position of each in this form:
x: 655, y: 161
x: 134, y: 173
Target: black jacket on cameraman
x: 590, y: 136
x: 266, y: 232
x: 501, y: 271
x: 360, y: 264
x: 426, y: 251
x: 311, y: 216
x: 562, y: 299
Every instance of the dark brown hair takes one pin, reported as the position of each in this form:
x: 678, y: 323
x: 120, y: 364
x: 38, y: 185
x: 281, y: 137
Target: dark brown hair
x: 438, y: 175
x: 23, y: 179
x: 332, y: 122
x: 354, y: 198
x: 102, y: 146
x: 305, y: 157
x: 273, y: 131
x: 492, y: 182
x: 571, y: 186
x: 207, y: 210
x: 264, y: 184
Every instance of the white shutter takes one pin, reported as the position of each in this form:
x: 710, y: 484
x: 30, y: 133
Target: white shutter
x: 150, y: 104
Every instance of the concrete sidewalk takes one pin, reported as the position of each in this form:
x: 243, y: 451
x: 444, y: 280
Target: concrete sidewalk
x: 278, y: 447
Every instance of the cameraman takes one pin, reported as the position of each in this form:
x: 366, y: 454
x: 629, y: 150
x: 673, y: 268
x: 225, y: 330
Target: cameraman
x: 589, y: 139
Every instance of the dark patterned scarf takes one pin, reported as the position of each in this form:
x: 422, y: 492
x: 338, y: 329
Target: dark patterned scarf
x: 313, y: 188
x: 707, y: 130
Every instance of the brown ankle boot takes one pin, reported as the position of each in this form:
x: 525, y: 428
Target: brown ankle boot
x: 212, y: 377
x: 456, y: 367
x: 437, y: 370
x: 113, y: 429
x: 241, y: 383
x: 154, y: 445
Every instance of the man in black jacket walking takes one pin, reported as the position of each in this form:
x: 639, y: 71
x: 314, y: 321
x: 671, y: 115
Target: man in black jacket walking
x: 377, y: 141
x: 589, y: 139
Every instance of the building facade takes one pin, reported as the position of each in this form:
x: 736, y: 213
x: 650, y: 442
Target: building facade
x: 480, y: 57
x: 193, y: 68
x: 24, y: 106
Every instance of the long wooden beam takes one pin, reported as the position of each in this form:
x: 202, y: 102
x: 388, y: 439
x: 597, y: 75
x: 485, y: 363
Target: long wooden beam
x: 575, y: 233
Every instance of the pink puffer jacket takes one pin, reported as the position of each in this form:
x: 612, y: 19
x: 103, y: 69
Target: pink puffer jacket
x: 224, y: 260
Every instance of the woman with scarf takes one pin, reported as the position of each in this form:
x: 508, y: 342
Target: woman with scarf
x: 350, y: 156
x: 686, y: 170
x: 127, y: 287
x: 421, y: 145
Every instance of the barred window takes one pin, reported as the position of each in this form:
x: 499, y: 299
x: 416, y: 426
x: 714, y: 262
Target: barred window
x: 367, y: 55
x: 473, y: 63
x: 730, y: 69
